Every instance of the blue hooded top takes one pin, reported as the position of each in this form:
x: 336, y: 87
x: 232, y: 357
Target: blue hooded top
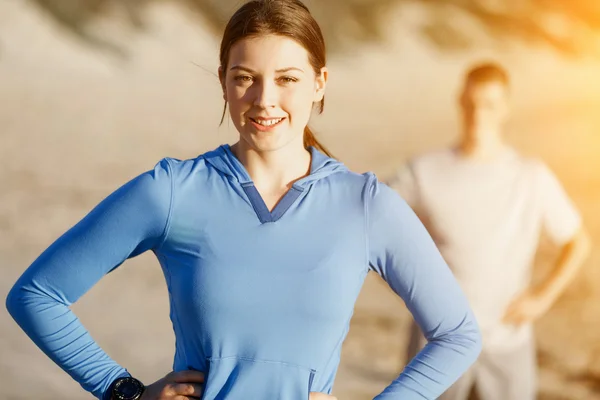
x: 259, y: 300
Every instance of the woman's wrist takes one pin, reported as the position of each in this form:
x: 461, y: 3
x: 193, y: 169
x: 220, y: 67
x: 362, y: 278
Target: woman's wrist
x: 125, y: 388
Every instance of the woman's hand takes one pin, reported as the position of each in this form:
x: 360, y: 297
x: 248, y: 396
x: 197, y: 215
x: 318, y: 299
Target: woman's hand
x: 320, y: 396
x: 187, y: 384
x: 176, y: 385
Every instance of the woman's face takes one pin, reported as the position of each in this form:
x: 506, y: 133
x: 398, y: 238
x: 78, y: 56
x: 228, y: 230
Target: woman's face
x: 271, y: 88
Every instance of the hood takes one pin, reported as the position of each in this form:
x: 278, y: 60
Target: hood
x: 321, y: 166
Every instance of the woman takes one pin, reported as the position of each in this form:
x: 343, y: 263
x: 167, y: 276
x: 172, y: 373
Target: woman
x: 264, y: 246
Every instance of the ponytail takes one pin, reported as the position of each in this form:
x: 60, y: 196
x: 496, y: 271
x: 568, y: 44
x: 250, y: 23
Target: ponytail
x: 311, y: 141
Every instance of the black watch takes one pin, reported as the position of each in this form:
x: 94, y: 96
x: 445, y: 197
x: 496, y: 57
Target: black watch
x: 126, y: 388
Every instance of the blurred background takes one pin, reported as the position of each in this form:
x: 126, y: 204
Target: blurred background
x: 94, y: 92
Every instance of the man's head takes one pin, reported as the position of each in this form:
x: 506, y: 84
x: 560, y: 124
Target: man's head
x: 484, y: 99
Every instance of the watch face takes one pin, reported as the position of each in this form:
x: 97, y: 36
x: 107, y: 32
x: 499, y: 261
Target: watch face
x: 128, y: 389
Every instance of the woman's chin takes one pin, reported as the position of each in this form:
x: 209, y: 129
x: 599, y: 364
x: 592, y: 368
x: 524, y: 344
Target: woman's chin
x: 268, y: 142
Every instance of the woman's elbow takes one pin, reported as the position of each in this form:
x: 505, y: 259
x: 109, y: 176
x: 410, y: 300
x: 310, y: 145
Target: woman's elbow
x: 476, y: 342
x: 15, y: 301
x: 465, y: 339
x: 471, y: 338
x: 23, y: 302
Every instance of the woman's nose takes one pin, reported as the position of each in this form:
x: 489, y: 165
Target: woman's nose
x: 266, y: 95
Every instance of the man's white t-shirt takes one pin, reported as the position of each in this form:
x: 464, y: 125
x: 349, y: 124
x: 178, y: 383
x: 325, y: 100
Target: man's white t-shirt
x: 486, y: 218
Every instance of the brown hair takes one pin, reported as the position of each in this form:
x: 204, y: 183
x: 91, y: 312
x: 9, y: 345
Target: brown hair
x: 486, y: 73
x: 289, y: 18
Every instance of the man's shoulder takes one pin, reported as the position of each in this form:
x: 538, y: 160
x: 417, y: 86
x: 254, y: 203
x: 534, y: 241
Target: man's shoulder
x: 432, y: 159
x: 533, y: 165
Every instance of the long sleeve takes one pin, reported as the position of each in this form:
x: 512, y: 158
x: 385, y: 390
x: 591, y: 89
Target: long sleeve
x: 130, y: 221
x: 403, y: 253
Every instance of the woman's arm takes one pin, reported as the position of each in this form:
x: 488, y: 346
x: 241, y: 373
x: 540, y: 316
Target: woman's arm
x: 403, y: 253
x: 130, y: 221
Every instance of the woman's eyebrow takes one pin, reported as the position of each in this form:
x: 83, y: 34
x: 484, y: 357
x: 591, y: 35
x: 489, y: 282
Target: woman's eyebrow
x: 250, y: 70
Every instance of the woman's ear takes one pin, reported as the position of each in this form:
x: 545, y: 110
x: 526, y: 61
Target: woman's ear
x: 222, y: 80
x: 321, y: 84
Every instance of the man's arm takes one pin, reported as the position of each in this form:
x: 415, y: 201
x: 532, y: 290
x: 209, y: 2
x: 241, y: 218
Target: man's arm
x: 563, y: 224
x: 535, y: 302
x: 572, y: 256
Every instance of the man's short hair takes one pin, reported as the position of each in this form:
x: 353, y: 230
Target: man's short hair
x: 486, y: 72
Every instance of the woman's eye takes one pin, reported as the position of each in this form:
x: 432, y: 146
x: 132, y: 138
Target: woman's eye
x: 243, y: 78
x: 288, y: 79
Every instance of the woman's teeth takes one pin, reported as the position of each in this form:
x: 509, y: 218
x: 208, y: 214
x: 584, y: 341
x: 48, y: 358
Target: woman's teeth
x: 268, y: 122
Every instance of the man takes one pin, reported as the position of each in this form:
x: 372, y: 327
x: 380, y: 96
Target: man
x: 486, y: 206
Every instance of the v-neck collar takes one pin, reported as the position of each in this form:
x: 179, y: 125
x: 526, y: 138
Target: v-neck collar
x: 256, y: 200
x: 261, y: 209
x: 320, y: 166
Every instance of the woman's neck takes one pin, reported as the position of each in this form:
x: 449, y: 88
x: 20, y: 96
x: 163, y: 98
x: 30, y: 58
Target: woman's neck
x: 273, y: 171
